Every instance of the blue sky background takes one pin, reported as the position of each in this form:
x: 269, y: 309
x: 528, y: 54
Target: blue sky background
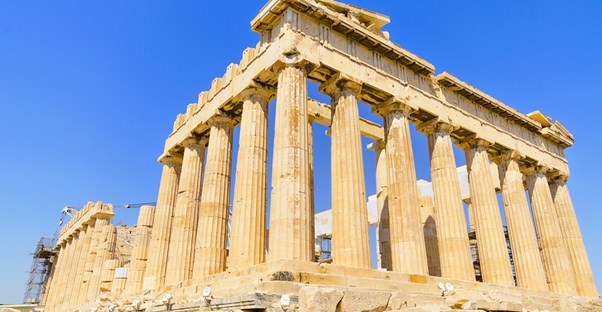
x: 89, y: 91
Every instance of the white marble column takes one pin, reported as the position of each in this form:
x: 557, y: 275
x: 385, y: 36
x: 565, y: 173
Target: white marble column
x: 159, y: 247
x: 556, y: 260
x: 247, y: 241
x: 491, y: 241
x: 86, y: 238
x: 452, y: 234
x: 291, y: 214
x: 407, y: 238
x: 350, y: 240
x: 525, y: 252
x: 212, y: 236
x: 140, y: 250
x: 571, y: 234
x: 383, y: 235
x: 180, y: 261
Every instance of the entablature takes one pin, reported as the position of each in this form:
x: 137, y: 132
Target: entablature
x: 470, y: 110
x: 367, y: 33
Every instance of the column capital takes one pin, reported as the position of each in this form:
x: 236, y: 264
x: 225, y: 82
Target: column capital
x: 294, y: 61
x: 395, y: 103
x: 557, y: 176
x: 195, y: 141
x: 221, y: 120
x: 256, y: 89
x: 341, y: 82
x: 508, y: 155
x: 171, y: 159
x: 435, y: 125
x: 473, y: 141
x: 535, y: 170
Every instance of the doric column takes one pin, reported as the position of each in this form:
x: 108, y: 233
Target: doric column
x: 97, y: 229
x: 180, y: 261
x: 69, y: 274
x: 53, y: 287
x: 105, y: 251
x: 525, y: 252
x: 247, y: 241
x: 140, y: 251
x: 291, y: 214
x: 431, y: 239
x: 310, y: 155
x: 452, y: 234
x: 48, y: 286
x: 210, y: 251
x: 571, y: 234
x: 407, y: 238
x: 159, y: 248
x: 350, y: 240
x: 383, y: 235
x: 491, y: 241
x: 86, y: 237
x: 107, y: 274
x: 556, y: 260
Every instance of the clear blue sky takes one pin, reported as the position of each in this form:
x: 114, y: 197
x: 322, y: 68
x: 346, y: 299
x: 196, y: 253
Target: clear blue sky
x: 89, y: 91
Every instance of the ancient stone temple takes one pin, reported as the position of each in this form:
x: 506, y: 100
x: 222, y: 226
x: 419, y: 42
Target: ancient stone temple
x: 189, y: 253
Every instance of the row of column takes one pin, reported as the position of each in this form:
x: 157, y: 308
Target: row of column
x: 190, y: 228
x: 75, y: 277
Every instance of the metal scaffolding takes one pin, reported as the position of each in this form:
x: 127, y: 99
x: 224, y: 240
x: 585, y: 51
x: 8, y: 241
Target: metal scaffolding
x: 472, y: 237
x: 40, y: 270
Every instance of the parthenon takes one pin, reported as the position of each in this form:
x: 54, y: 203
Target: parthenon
x: 191, y: 254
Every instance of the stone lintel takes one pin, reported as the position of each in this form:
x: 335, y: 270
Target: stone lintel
x: 456, y: 85
x: 322, y: 113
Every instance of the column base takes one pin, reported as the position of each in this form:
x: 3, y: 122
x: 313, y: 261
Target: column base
x: 318, y: 287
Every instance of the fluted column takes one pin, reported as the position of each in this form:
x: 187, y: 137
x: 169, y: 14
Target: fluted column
x: 452, y: 234
x: 86, y: 238
x: 383, y: 235
x: 556, y: 260
x: 98, y: 233
x: 310, y: 155
x: 107, y: 274
x: 180, y: 261
x: 350, y: 241
x: 247, y: 242
x: 431, y: 236
x: 491, y: 241
x: 291, y: 214
x: 573, y: 241
x: 53, y: 289
x: 528, y: 266
x: 48, y: 286
x: 67, y: 282
x: 210, y: 252
x: 407, y: 238
x: 105, y: 252
x: 159, y: 248
x: 140, y: 251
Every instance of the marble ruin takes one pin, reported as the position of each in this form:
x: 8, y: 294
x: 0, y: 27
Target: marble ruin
x: 186, y: 257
